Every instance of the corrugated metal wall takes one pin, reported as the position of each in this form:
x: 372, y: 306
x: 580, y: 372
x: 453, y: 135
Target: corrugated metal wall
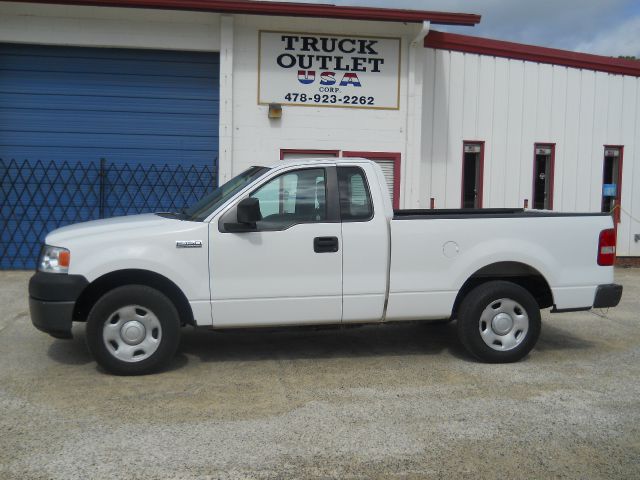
x: 130, y: 106
x: 511, y: 105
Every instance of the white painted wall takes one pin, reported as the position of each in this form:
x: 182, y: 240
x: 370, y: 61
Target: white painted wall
x: 108, y: 27
x: 257, y: 139
x: 512, y: 104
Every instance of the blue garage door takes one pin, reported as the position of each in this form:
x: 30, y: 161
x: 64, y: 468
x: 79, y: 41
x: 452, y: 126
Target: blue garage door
x: 150, y: 118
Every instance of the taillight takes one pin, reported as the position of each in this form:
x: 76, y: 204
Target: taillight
x: 607, y: 247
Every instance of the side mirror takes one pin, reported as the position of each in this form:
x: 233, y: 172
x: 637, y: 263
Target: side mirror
x: 249, y: 211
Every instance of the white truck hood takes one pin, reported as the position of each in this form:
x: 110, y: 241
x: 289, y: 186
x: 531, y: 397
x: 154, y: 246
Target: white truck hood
x: 108, y: 226
x: 144, y: 242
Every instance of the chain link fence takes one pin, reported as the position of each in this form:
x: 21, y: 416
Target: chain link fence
x: 37, y: 197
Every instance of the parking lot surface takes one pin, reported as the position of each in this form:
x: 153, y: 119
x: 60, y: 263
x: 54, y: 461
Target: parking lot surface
x: 392, y: 401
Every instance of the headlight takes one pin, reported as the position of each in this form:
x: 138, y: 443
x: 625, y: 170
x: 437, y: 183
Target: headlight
x: 54, y: 260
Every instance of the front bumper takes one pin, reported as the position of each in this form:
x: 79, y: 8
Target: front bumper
x: 54, y: 318
x: 52, y: 299
x: 607, y: 295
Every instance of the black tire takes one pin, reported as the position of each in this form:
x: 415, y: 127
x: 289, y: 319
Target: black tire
x: 476, y: 334
x: 144, y: 301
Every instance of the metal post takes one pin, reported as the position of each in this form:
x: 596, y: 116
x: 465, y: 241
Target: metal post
x: 102, y: 175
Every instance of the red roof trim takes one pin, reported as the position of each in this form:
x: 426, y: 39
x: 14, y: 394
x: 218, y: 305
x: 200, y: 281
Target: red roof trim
x: 288, y: 9
x: 518, y: 51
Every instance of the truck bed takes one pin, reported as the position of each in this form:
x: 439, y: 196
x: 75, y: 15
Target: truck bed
x: 434, y: 255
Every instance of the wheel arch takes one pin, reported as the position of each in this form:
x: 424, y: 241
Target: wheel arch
x: 519, y: 273
x: 119, y: 278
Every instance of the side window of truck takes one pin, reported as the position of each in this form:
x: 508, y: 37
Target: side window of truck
x: 292, y: 198
x: 355, y: 198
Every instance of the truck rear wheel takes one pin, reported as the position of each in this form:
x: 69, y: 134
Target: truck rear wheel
x: 133, y: 330
x: 499, y: 322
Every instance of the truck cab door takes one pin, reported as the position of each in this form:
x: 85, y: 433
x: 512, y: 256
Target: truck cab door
x: 365, y: 239
x: 287, y: 267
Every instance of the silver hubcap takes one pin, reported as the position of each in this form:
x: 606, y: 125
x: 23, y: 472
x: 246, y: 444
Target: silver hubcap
x: 132, y: 333
x: 504, y: 324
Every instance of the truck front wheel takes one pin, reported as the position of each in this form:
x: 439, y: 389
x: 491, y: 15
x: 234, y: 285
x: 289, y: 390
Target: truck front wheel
x: 499, y: 322
x: 133, y: 330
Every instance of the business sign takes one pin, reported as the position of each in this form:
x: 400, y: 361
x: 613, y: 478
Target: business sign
x: 543, y: 150
x: 611, y: 152
x: 471, y: 148
x: 318, y: 70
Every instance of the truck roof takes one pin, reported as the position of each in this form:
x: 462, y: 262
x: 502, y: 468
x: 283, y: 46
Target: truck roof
x: 319, y: 160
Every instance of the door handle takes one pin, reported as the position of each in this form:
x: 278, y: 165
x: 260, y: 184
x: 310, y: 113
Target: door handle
x: 325, y: 244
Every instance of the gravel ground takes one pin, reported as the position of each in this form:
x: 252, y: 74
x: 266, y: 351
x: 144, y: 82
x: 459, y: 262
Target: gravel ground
x: 397, y: 401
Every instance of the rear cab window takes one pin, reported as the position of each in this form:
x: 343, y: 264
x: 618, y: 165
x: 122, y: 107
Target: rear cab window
x: 355, y: 197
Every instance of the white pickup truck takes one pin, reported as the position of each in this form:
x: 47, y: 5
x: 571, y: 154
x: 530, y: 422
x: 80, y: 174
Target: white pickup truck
x: 317, y: 242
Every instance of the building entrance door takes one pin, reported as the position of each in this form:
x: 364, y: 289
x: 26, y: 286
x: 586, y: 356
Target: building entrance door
x: 543, y: 177
x: 472, y: 173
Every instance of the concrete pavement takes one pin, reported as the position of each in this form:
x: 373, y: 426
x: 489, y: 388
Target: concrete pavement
x: 398, y: 401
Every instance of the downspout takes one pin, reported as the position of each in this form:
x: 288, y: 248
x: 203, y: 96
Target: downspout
x: 424, y: 31
x: 413, y: 163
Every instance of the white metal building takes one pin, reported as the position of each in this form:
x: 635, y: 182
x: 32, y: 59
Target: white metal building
x: 454, y: 120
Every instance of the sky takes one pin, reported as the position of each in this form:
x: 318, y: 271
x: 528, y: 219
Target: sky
x: 604, y: 27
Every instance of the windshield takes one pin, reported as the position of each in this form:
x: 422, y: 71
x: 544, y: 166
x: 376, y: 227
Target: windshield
x: 206, y: 205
